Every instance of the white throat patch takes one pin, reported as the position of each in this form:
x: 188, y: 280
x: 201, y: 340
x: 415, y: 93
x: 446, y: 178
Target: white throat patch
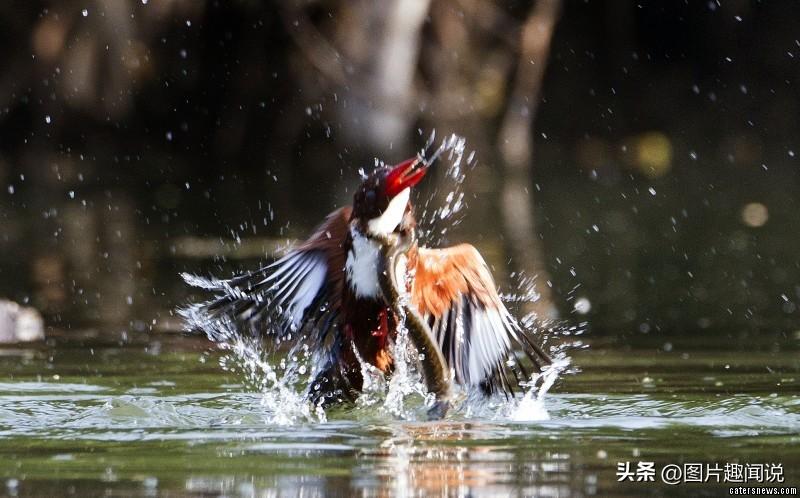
x: 388, y: 221
x: 361, y: 267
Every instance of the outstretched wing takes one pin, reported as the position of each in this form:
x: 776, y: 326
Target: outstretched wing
x: 299, y: 291
x: 454, y: 290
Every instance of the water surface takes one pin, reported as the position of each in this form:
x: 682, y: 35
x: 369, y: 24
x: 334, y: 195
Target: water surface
x: 157, y: 415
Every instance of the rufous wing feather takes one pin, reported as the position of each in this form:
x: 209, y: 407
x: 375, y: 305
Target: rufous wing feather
x: 454, y: 290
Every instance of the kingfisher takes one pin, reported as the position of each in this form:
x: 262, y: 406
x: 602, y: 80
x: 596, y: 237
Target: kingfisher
x: 331, y: 290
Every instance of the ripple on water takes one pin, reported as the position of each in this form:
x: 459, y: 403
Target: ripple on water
x: 733, y: 416
x: 236, y: 415
x: 60, y: 387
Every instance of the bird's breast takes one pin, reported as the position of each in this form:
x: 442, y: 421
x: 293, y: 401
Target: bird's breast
x: 361, y: 266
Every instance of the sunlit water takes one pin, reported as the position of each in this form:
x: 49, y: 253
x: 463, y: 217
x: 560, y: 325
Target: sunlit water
x: 159, y: 416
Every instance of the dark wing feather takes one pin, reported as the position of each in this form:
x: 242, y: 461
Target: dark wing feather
x: 299, y: 292
x: 454, y: 290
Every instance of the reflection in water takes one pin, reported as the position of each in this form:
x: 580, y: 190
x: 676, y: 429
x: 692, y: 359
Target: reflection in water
x: 454, y: 460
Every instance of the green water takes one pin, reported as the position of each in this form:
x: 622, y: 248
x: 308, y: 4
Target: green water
x: 157, y: 416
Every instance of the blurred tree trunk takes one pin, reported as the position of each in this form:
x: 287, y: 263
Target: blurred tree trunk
x: 477, y: 82
x: 467, y: 89
x: 381, y: 39
x: 117, y: 232
x: 516, y: 148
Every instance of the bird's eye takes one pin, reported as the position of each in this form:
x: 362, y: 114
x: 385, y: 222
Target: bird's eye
x: 369, y: 197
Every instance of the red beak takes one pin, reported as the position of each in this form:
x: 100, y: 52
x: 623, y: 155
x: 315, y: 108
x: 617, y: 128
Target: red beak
x: 406, y: 174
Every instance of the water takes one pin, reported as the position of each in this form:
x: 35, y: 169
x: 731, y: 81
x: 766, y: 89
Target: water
x: 691, y: 355
x: 158, y: 416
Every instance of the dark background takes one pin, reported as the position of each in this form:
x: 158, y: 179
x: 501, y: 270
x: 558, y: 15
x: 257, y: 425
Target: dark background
x: 138, y: 140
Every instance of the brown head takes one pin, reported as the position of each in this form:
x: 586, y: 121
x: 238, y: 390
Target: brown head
x: 381, y: 205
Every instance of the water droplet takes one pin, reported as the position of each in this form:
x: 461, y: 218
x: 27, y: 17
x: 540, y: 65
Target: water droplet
x: 47, y: 119
x: 582, y: 305
x: 85, y: 12
x: 652, y: 191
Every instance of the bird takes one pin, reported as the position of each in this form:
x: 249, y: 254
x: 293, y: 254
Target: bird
x: 330, y: 290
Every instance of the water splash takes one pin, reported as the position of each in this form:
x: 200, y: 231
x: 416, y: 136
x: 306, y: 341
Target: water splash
x: 282, y: 385
x: 443, y: 208
x: 401, y: 394
x: 406, y: 381
x: 531, y: 406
